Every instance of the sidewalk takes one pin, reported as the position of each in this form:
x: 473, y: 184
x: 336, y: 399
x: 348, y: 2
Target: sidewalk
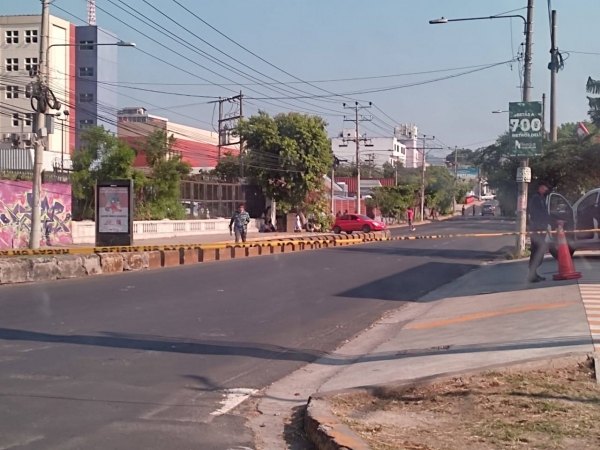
x: 490, y: 316
x: 227, y: 238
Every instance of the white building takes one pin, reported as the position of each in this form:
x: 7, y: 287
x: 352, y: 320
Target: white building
x: 408, y: 135
x: 19, y: 54
x: 377, y: 150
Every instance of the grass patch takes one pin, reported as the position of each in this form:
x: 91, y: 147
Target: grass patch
x: 543, y: 410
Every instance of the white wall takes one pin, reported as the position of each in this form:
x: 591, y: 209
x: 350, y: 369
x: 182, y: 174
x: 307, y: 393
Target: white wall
x: 59, y: 75
x: 383, y: 149
x: 84, y: 232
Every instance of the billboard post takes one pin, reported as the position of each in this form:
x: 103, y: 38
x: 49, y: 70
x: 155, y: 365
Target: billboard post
x: 114, y: 213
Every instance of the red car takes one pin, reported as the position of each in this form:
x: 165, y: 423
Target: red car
x: 356, y: 222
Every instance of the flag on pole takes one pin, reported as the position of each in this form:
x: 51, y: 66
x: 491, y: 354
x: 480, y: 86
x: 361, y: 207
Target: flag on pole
x: 582, y: 130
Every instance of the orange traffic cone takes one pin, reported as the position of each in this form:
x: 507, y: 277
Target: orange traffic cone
x: 566, y: 269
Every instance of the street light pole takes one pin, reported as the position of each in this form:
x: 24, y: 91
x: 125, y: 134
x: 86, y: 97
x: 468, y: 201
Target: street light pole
x: 38, y: 157
x: 554, y: 67
x: 41, y: 92
x: 524, y: 162
x: 526, y: 97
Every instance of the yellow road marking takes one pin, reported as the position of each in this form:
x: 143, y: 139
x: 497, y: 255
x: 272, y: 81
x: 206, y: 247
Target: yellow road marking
x: 471, y: 317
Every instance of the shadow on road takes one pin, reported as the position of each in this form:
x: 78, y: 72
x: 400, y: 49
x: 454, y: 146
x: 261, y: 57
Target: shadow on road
x: 274, y: 352
x: 401, y: 249
x: 409, y: 285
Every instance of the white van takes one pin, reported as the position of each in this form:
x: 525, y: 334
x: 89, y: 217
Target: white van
x: 583, y: 215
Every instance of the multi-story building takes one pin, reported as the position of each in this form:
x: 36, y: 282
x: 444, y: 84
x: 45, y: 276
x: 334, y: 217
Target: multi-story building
x: 408, y: 136
x: 19, y: 54
x: 377, y: 150
x: 96, y: 71
x: 198, y: 147
x: 77, y: 71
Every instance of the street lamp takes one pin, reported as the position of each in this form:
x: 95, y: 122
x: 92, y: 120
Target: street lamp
x: 499, y: 111
x: 522, y: 189
x: 116, y: 44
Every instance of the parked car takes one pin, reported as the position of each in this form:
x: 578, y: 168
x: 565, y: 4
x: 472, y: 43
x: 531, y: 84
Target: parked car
x: 356, y: 222
x: 583, y: 215
x: 487, y: 209
x: 488, y: 197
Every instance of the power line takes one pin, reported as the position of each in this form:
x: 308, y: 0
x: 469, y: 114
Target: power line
x: 391, y: 88
x: 331, y: 80
x: 249, y: 51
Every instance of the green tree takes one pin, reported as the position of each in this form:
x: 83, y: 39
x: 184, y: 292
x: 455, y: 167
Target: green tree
x: 463, y: 155
x: 228, y: 167
x: 389, y: 170
x: 440, y: 188
x: 593, y: 87
x: 287, y: 155
x: 392, y: 201
x: 161, y: 199
x: 102, y: 156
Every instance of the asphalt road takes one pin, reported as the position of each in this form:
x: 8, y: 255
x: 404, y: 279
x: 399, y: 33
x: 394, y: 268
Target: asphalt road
x: 144, y: 360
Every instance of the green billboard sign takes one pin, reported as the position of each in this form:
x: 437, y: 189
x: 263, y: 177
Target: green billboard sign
x: 525, y: 128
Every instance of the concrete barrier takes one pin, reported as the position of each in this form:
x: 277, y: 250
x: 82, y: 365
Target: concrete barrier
x: 37, y: 268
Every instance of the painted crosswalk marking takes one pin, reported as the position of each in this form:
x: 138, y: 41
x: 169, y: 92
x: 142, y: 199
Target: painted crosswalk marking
x: 232, y: 398
x: 590, y: 294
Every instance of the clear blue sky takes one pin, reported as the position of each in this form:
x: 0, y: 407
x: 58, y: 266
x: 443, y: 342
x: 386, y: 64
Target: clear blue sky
x: 332, y: 39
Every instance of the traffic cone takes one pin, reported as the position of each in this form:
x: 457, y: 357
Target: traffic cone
x: 566, y: 269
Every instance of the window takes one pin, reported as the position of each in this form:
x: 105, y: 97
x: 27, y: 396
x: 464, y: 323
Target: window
x: 12, y: 91
x: 86, y: 98
x: 12, y: 37
x: 12, y: 64
x: 86, y: 45
x: 31, y: 65
x: 86, y: 123
x: 28, y: 119
x: 31, y: 36
x: 15, y: 120
x: 86, y: 71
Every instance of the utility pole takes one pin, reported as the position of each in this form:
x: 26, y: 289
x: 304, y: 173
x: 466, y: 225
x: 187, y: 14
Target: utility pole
x: 524, y: 162
x: 543, y: 115
x: 357, y: 139
x: 219, y: 154
x: 455, y: 178
x: 224, y: 119
x: 554, y: 66
x: 40, y: 131
x: 423, y: 164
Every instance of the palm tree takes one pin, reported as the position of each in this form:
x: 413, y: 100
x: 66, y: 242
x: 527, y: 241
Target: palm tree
x: 593, y: 87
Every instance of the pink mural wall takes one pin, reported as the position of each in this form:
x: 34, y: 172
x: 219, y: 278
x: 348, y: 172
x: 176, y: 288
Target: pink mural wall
x: 15, y: 214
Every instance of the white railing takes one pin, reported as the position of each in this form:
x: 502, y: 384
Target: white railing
x: 84, y: 232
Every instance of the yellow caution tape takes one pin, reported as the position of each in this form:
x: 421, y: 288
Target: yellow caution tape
x: 178, y: 247
x: 267, y: 243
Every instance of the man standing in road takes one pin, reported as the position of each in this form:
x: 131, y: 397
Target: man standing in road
x: 539, y: 218
x: 410, y: 215
x: 239, y: 222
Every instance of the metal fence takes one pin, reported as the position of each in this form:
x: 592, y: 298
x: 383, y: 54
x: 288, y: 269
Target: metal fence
x: 210, y: 199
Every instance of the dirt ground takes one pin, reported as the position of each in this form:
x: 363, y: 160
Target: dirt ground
x: 542, y: 410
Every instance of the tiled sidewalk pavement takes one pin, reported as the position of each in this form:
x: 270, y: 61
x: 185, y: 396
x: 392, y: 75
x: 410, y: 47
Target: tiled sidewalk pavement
x: 589, y: 287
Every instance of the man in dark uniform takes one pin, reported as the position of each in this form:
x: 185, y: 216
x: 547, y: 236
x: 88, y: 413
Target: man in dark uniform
x: 539, y: 218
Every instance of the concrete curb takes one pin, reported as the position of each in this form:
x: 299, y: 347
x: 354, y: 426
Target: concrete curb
x: 55, y: 264
x: 327, y: 432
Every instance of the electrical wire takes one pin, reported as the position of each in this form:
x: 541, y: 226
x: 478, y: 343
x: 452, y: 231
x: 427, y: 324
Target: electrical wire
x: 247, y: 50
x: 193, y: 48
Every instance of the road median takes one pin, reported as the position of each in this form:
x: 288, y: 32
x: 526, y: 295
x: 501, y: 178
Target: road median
x: 22, y: 266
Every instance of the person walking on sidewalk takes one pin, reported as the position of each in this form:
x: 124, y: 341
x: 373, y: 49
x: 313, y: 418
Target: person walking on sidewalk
x: 473, y: 210
x: 464, y: 211
x: 410, y: 215
x: 539, y: 218
x: 239, y: 223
